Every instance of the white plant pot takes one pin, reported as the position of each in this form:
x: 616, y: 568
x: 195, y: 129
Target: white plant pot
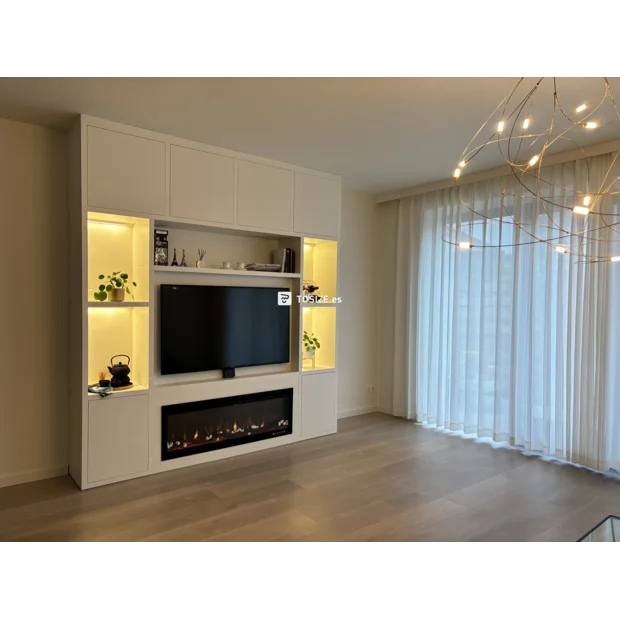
x: 309, y: 355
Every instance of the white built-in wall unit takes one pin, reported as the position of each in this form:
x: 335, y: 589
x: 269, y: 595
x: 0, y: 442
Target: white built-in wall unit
x: 126, y: 183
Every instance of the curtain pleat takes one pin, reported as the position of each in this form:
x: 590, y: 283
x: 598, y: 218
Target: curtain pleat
x: 517, y: 343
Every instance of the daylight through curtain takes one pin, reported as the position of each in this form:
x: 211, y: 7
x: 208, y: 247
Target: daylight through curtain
x: 518, y: 344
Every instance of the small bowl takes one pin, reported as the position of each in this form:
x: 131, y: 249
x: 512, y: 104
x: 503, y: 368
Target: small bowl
x: 104, y: 383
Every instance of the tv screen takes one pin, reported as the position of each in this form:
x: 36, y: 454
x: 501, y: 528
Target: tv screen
x: 216, y: 327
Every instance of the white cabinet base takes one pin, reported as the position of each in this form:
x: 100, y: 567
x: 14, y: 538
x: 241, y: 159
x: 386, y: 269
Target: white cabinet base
x: 318, y: 404
x: 118, y: 438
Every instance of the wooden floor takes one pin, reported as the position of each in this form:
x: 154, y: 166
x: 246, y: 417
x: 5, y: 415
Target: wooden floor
x: 379, y: 478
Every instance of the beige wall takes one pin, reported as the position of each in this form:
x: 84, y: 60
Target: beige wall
x: 357, y: 344
x: 34, y: 304
x: 386, y: 289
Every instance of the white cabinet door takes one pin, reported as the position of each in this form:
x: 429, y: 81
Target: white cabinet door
x: 118, y: 437
x: 317, y: 205
x: 264, y: 196
x: 125, y: 173
x: 318, y: 404
x: 202, y: 185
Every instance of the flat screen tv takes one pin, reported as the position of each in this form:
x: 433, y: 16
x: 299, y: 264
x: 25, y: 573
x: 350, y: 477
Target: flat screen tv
x: 216, y: 327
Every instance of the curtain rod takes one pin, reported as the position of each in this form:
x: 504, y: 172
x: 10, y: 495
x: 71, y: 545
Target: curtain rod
x: 492, y: 173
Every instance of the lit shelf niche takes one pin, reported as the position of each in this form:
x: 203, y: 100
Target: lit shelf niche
x: 322, y: 323
x: 321, y: 265
x: 119, y: 331
x: 119, y: 243
x: 321, y: 269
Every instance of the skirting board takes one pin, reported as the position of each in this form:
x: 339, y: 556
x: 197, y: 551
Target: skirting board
x: 349, y: 413
x: 7, y: 480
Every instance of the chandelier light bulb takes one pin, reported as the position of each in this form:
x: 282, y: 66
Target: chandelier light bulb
x: 581, y: 210
x: 465, y: 245
x: 457, y: 173
x: 614, y: 259
x: 581, y: 108
x: 500, y: 127
x: 526, y: 123
x: 586, y: 200
x: 533, y: 160
x: 463, y: 164
x: 591, y: 125
x: 560, y: 249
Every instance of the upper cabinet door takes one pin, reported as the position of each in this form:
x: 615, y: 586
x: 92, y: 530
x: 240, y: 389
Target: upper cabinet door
x: 317, y: 205
x: 202, y: 185
x: 264, y: 196
x: 126, y: 173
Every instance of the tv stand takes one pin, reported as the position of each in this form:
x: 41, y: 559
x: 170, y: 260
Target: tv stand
x: 228, y: 373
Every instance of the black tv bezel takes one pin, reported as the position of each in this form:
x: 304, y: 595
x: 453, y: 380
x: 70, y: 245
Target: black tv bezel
x: 159, y: 324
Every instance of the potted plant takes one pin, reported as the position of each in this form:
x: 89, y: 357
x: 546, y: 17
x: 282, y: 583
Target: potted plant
x: 115, y: 285
x: 311, y: 344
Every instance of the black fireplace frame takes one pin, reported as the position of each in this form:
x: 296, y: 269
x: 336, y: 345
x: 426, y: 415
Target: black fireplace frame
x: 214, y: 403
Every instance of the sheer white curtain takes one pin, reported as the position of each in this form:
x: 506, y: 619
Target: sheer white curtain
x: 519, y: 344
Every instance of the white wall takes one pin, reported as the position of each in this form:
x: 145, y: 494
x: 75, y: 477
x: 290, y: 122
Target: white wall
x: 357, y: 345
x: 385, y: 232
x: 34, y: 302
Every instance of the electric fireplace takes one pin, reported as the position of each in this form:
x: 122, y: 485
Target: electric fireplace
x: 202, y: 426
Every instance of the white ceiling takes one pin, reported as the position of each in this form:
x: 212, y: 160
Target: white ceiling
x: 380, y: 134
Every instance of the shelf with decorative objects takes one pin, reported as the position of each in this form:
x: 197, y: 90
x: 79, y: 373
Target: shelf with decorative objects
x: 204, y: 250
x: 135, y: 390
x: 224, y: 272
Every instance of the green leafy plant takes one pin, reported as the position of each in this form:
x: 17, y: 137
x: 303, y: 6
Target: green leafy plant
x: 310, y: 343
x: 118, y: 279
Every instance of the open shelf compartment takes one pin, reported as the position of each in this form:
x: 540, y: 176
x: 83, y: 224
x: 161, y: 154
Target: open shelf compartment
x: 230, y: 246
x: 320, y: 321
x: 119, y: 331
x: 118, y: 243
x: 321, y: 265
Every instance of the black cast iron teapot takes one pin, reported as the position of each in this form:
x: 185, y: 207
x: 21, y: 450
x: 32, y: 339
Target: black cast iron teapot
x: 120, y: 372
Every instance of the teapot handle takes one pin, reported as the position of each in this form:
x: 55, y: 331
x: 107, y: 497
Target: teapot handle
x: 120, y: 355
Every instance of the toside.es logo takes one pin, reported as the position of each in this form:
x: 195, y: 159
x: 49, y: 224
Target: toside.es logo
x: 318, y: 299
x: 284, y: 298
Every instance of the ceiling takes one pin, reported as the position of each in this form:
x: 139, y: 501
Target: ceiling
x: 380, y: 134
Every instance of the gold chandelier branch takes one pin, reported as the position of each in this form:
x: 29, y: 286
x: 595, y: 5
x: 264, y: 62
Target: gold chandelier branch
x: 582, y: 218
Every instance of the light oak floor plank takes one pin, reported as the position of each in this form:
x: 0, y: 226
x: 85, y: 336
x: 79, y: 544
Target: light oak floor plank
x: 379, y: 478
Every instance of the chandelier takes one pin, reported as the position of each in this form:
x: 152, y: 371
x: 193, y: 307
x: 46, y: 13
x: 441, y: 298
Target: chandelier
x: 580, y: 218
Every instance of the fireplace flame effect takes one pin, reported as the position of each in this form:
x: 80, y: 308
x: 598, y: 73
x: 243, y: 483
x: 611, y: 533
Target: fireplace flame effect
x: 219, y: 432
